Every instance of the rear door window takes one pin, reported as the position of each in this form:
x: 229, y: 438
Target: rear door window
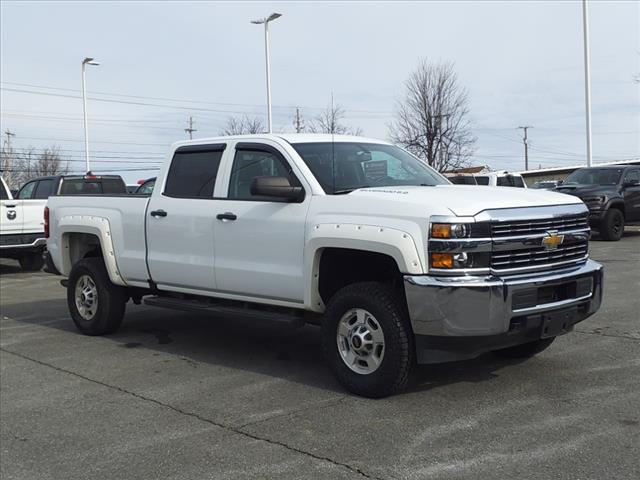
x: 482, y: 180
x: 193, y: 171
x: 44, y: 189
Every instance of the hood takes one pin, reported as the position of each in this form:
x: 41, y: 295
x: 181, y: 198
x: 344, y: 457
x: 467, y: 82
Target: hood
x: 464, y: 200
x: 586, y: 190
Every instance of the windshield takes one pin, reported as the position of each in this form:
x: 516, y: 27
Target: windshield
x: 595, y: 176
x: 341, y: 167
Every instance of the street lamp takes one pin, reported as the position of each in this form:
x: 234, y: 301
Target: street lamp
x: 266, y: 21
x: 85, y: 62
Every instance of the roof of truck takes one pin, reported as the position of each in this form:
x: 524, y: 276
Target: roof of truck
x: 288, y: 137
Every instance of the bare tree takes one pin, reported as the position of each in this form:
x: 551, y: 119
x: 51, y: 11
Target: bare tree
x: 432, y: 119
x: 330, y: 121
x: 243, y: 125
x: 11, y: 166
x: 49, y: 162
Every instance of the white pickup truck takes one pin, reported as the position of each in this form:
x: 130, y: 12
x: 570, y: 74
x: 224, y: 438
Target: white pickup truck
x: 21, y: 229
x: 397, y: 265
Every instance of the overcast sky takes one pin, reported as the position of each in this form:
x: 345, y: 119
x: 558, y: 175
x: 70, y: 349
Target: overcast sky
x: 522, y: 63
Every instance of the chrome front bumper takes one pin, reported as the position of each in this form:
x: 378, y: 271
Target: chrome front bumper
x: 488, y: 305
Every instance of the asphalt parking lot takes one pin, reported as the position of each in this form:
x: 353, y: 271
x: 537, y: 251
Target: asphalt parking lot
x: 180, y: 396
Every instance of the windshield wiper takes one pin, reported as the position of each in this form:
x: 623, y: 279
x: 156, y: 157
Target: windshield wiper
x: 349, y: 190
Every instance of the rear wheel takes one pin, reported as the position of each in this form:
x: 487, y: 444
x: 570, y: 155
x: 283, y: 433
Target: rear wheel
x: 525, y: 350
x: 31, y: 262
x: 367, y: 339
x: 96, y: 305
x: 612, y: 226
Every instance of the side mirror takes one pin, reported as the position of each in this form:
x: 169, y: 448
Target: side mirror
x: 278, y: 187
x: 560, y: 182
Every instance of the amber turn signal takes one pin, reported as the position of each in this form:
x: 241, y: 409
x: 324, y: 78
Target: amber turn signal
x: 440, y: 230
x: 442, y: 260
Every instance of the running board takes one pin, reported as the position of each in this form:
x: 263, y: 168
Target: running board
x: 286, y: 315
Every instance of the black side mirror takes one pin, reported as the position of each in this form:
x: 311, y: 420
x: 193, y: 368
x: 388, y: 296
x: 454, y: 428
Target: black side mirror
x: 560, y: 182
x: 278, y: 187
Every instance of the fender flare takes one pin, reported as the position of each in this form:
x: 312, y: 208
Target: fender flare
x: 392, y: 242
x: 92, y: 225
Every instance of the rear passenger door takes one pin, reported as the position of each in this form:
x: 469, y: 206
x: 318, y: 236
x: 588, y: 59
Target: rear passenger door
x: 179, y: 221
x: 33, y: 208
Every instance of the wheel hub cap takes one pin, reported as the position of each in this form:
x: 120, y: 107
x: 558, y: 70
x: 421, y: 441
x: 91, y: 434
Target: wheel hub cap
x: 86, y: 297
x: 360, y: 341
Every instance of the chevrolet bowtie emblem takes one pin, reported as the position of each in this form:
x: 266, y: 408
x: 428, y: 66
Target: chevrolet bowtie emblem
x: 552, y: 240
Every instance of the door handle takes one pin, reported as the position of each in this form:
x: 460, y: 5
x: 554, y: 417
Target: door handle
x: 226, y: 216
x: 10, y: 206
x: 158, y: 213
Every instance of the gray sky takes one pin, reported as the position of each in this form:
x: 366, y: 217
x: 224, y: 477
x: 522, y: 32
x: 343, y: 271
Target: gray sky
x: 521, y: 62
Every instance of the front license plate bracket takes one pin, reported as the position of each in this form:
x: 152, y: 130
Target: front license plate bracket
x: 557, y: 323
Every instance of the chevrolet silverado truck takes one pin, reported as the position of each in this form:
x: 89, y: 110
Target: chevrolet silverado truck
x: 612, y: 195
x: 397, y: 265
x: 21, y: 230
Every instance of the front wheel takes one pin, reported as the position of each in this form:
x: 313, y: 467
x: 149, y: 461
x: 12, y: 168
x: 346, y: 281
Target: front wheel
x: 31, y: 262
x: 367, y: 339
x: 525, y: 350
x: 612, y: 226
x: 96, y: 305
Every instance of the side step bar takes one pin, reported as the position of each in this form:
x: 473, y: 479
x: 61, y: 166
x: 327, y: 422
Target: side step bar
x: 290, y: 316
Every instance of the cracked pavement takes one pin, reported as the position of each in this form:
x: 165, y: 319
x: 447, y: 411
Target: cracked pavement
x: 181, y: 396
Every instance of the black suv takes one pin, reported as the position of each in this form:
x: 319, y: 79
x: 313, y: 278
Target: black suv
x: 612, y: 195
x: 88, y: 184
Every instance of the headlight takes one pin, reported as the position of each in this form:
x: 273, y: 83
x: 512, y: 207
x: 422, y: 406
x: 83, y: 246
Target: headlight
x: 460, y: 246
x: 450, y: 230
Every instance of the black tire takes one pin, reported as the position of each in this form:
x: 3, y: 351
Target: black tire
x: 525, y: 350
x: 31, y: 262
x: 111, y: 299
x: 612, y: 226
x: 391, y: 315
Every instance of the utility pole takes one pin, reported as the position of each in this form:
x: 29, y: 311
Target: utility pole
x: 7, y: 142
x: 190, y: 129
x: 587, y: 77
x: 526, y: 146
x: 298, y: 122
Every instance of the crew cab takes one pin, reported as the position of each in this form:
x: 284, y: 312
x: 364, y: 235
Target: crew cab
x: 612, y: 195
x: 21, y: 230
x: 395, y: 263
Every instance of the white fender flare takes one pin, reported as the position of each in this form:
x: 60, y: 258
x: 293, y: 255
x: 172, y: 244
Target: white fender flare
x: 93, y: 225
x: 395, y: 243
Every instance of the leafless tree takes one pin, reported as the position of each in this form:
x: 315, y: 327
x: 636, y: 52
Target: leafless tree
x: 330, y: 121
x: 19, y: 167
x: 11, y: 166
x: 49, y: 162
x: 432, y: 118
x: 243, y: 125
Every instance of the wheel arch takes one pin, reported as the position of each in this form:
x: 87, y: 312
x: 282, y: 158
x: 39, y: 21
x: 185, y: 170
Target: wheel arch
x: 342, y: 250
x: 88, y: 236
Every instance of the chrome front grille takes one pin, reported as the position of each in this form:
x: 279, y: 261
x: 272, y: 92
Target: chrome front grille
x: 526, y: 258
x: 539, y: 226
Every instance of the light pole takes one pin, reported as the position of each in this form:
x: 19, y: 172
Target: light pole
x: 266, y: 21
x: 85, y: 62
x: 587, y: 77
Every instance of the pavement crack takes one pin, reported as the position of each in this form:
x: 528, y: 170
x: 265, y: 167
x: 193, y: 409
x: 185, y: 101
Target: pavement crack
x: 315, y: 406
x: 602, y: 334
x: 228, y: 428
